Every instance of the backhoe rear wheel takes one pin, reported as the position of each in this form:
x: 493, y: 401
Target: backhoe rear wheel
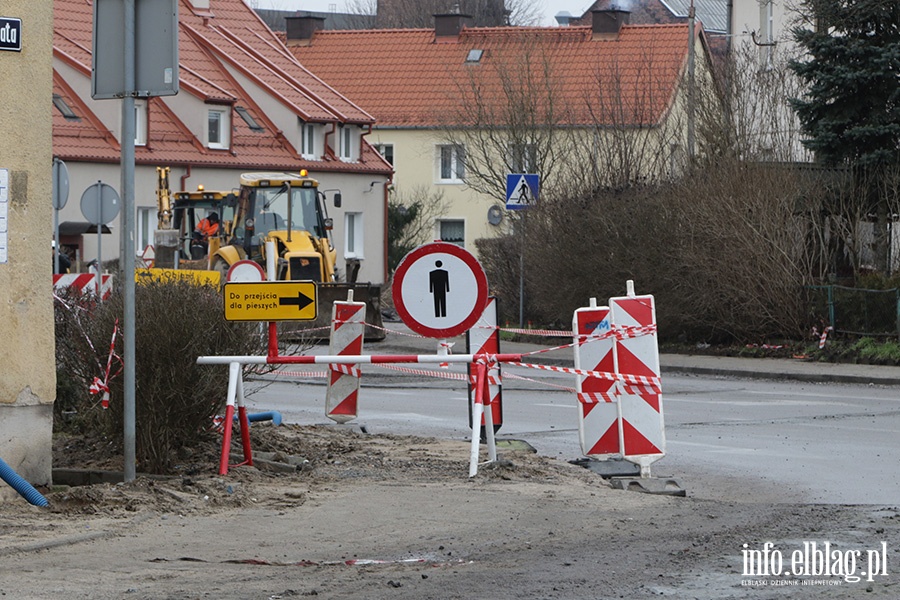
x: 221, y: 267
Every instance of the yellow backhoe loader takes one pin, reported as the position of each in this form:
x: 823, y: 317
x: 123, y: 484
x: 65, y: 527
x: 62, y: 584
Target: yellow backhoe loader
x: 285, y: 208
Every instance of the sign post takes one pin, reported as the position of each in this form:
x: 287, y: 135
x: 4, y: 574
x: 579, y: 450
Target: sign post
x: 99, y: 205
x: 60, y: 197
x: 522, y: 191
x: 134, y: 54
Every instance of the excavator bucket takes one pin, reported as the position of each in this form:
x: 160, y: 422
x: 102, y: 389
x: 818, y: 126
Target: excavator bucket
x: 327, y: 295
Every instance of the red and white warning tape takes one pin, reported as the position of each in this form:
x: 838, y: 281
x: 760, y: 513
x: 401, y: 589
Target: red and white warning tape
x: 426, y: 372
x: 346, y: 369
x: 565, y: 388
x: 302, y: 374
x: 102, y: 385
x: 635, y: 383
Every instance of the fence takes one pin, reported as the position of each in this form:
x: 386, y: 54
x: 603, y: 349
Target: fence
x: 857, y: 311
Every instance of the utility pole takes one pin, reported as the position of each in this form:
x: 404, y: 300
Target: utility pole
x: 691, y: 92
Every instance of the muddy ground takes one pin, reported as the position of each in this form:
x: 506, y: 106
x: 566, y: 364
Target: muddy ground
x: 341, y: 514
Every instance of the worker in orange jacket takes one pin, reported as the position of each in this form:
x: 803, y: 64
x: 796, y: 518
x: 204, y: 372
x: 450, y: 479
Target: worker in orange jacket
x: 206, y: 228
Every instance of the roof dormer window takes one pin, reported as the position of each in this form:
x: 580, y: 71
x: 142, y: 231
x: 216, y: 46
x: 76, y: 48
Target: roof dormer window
x: 63, y: 107
x: 245, y: 115
x: 308, y: 141
x: 474, y: 56
x: 345, y: 143
x: 218, y: 127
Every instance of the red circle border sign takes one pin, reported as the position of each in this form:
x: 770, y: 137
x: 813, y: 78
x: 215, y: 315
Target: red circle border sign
x: 473, y: 265
x: 245, y: 263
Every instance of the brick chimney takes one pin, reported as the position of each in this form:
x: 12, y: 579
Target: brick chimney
x: 607, y: 23
x: 299, y: 29
x: 449, y: 25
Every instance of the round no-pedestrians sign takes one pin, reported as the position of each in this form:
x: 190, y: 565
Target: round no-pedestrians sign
x: 439, y: 290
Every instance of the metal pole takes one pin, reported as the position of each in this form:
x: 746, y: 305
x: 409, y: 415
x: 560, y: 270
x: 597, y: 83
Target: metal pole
x: 56, y: 248
x: 522, y: 272
x: 99, y: 240
x: 127, y: 145
x: 691, y: 83
x: 831, y: 306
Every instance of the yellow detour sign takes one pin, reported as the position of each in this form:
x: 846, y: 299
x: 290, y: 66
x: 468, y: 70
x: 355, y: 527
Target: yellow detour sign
x: 270, y: 301
x: 195, y: 276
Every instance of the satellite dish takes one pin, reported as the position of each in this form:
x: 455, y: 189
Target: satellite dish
x: 495, y: 215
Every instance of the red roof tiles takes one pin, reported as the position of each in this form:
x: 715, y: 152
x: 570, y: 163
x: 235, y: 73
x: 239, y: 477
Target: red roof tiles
x: 215, y: 49
x: 407, y: 78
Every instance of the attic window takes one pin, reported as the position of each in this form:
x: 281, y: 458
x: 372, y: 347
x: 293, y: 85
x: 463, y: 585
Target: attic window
x: 474, y: 55
x: 64, y: 108
x: 248, y: 119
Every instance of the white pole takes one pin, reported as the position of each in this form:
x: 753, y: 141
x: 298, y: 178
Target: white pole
x: 476, y: 439
x: 270, y: 260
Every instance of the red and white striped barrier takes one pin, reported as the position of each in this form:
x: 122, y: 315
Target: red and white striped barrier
x: 598, y: 416
x: 484, y: 338
x: 347, y: 328
x: 86, y: 283
x: 235, y: 397
x: 641, y: 424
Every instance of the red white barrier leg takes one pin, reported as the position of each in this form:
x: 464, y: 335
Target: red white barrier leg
x: 481, y: 390
x: 235, y: 395
x: 484, y: 338
x: 234, y: 370
x: 347, y: 328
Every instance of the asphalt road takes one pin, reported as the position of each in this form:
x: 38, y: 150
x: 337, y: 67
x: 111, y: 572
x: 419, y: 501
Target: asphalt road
x: 727, y: 439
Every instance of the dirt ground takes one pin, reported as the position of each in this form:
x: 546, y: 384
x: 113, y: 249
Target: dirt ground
x: 335, y: 513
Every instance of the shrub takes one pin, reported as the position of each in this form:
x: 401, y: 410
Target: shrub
x: 175, y: 399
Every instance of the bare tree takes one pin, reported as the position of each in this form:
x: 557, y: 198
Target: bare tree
x: 511, y: 118
x: 411, y: 220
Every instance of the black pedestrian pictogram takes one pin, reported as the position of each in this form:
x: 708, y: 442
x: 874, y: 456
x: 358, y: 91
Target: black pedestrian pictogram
x: 439, y: 286
x: 524, y: 193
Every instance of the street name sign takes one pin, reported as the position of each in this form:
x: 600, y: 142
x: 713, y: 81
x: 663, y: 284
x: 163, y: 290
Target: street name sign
x: 270, y: 301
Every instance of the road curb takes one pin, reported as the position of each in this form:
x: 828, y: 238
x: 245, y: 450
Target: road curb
x: 789, y: 376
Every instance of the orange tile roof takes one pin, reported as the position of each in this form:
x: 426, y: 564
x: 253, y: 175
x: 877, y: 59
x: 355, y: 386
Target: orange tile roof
x: 209, y: 55
x: 407, y: 78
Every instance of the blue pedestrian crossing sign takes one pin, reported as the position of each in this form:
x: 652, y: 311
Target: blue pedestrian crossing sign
x: 522, y: 190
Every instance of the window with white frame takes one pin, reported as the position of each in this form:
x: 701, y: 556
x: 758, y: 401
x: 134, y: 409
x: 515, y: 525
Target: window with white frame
x: 453, y: 231
x: 140, y: 122
x: 218, y: 127
x: 353, y: 243
x: 387, y: 151
x: 523, y: 158
x: 147, y: 220
x: 451, y: 163
x: 346, y: 143
x: 308, y: 141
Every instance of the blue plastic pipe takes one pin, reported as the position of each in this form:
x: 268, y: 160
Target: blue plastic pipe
x: 273, y: 416
x: 20, y: 485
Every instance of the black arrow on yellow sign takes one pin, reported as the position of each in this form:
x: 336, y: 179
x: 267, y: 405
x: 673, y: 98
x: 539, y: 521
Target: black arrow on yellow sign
x: 301, y: 301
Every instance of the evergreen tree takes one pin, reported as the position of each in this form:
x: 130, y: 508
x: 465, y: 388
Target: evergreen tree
x: 851, y: 109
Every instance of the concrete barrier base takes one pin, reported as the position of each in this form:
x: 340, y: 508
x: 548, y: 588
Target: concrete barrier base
x: 665, y: 486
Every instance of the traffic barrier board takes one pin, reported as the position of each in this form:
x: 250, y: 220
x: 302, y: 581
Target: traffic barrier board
x: 642, y: 427
x: 270, y: 301
x: 348, y: 321
x: 598, y: 413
